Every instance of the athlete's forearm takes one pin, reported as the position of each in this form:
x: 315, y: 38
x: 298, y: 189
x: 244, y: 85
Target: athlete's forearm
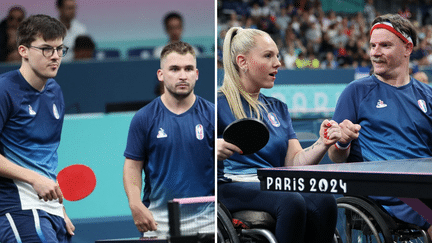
x: 11, y: 170
x: 311, y: 155
x: 132, y: 180
x: 338, y: 155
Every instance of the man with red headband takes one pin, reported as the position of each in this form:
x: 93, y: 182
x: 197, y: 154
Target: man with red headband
x: 388, y: 115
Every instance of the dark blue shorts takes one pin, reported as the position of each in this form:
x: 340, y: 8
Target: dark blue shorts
x: 33, y: 226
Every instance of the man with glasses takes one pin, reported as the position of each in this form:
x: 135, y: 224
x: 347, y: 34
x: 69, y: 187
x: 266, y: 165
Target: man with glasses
x: 31, y: 118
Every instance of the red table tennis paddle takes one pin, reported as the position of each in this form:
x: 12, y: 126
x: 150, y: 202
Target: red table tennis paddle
x: 249, y: 134
x: 76, y: 182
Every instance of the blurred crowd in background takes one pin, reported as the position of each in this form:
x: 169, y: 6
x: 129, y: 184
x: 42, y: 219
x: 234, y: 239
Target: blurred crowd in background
x: 309, y: 37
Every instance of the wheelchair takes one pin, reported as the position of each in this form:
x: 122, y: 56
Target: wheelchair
x: 248, y: 226
x: 360, y: 219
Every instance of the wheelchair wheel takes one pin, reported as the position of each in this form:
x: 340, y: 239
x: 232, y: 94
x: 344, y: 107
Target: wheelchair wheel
x: 336, y: 237
x: 225, y: 229
x: 410, y: 235
x: 360, y: 222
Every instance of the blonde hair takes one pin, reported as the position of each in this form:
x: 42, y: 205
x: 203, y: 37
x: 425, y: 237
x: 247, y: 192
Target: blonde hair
x: 238, y: 41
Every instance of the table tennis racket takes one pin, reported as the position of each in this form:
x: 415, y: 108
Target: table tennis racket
x: 249, y: 134
x: 76, y: 182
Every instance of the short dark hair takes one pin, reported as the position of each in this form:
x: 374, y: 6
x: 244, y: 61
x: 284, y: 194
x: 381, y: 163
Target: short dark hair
x: 42, y: 25
x: 179, y: 47
x: 400, y: 24
x: 59, y: 3
x: 17, y: 8
x: 84, y: 42
x: 172, y: 15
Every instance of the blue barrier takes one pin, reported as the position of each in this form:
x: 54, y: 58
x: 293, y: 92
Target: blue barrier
x: 307, y: 76
x: 89, y: 85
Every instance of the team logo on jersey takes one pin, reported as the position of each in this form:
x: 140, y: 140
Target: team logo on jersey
x: 161, y: 133
x: 422, y: 105
x: 381, y: 104
x: 199, y: 131
x: 31, y: 111
x: 273, y: 119
x: 55, y: 111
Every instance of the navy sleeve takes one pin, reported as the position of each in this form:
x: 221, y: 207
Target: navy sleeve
x: 346, y: 106
x: 5, y: 105
x: 135, y: 147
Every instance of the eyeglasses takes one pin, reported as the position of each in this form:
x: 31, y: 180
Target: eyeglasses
x: 49, y: 51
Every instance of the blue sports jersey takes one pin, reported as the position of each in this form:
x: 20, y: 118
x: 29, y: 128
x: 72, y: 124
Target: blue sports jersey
x: 177, y: 150
x: 396, y: 123
x: 279, y: 123
x: 30, y: 128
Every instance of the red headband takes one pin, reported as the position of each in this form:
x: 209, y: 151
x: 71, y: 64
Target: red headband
x: 388, y: 26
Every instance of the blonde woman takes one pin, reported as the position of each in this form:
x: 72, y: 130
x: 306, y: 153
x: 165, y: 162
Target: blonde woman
x: 251, y: 62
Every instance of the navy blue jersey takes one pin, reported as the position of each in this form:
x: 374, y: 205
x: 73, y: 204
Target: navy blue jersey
x: 396, y: 123
x: 30, y: 128
x: 177, y: 151
x: 279, y: 123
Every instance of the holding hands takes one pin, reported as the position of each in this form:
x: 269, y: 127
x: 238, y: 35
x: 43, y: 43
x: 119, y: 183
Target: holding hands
x: 330, y: 132
x: 350, y: 131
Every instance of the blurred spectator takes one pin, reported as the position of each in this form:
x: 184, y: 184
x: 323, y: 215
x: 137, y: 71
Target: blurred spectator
x: 67, y: 14
x: 422, y: 77
x: 301, y: 61
x: 292, y: 40
x: 360, y: 25
x: 84, y: 48
x: 268, y: 25
x: 249, y: 23
x: 369, y: 11
x: 405, y: 11
x: 8, y: 31
x: 173, y: 25
x: 326, y: 46
x: 282, y: 21
x: 234, y: 22
x: 413, y: 68
x: 352, y: 48
x: 314, y: 36
x: 420, y: 53
x: 289, y: 57
x: 341, y: 38
x: 313, y: 61
x: 256, y: 11
x: 342, y: 56
x: 428, y: 34
x: 266, y: 9
x: 295, y: 24
x: 332, y: 32
x: 323, y: 21
x: 291, y: 9
x: 329, y: 62
x: 425, y: 12
x: 334, y: 19
x: 303, y: 26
